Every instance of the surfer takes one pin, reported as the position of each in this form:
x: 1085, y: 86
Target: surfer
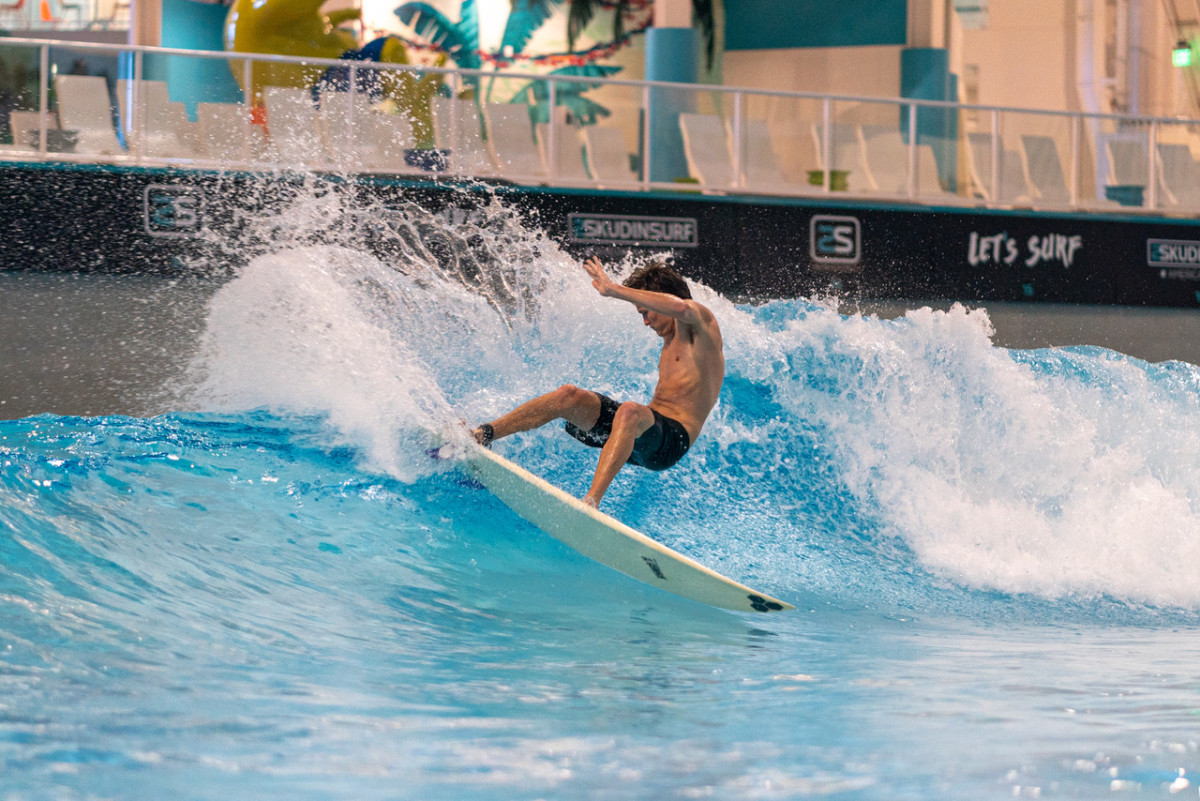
x: 691, y: 369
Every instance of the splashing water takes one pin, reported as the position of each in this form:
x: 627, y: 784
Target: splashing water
x: 1052, y: 473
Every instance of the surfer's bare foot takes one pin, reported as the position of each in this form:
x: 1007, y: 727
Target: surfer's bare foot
x: 592, y: 502
x: 484, y: 434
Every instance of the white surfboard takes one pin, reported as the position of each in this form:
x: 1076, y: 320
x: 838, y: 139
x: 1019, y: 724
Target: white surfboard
x: 609, y: 541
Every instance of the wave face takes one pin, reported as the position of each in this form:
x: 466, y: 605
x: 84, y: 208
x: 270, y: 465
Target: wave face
x: 281, y: 593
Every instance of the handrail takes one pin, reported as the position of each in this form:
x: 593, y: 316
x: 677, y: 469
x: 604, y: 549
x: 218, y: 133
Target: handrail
x: 699, y: 87
x: 736, y: 112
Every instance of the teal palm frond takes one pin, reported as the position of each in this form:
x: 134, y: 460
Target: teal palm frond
x: 579, y: 15
x: 524, y: 18
x: 567, y: 93
x: 468, y: 27
x: 459, y: 40
x: 586, y: 111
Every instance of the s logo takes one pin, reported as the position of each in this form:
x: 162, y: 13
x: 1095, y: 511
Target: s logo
x: 835, y: 240
x: 172, y: 210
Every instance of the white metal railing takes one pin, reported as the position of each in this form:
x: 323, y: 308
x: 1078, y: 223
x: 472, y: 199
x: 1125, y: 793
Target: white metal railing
x: 826, y: 147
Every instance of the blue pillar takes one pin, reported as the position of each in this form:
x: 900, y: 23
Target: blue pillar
x: 189, y: 25
x: 925, y: 75
x: 670, y: 56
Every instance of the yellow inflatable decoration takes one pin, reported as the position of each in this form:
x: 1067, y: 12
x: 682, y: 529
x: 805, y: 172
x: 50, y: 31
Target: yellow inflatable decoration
x: 285, y: 27
x: 298, y: 28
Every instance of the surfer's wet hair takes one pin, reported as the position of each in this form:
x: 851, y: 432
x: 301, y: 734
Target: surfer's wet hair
x: 654, y: 276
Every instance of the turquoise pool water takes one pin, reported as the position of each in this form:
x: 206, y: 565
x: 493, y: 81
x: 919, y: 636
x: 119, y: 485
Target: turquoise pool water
x: 272, y: 593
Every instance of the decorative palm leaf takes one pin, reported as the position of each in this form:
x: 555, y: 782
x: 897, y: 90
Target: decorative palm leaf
x: 568, y: 94
x: 458, y: 40
x: 703, y: 13
x: 579, y: 16
x: 468, y: 27
x: 524, y: 18
x: 581, y: 12
x: 587, y: 111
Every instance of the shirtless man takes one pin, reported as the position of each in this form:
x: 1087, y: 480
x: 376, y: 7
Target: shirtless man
x: 690, y: 371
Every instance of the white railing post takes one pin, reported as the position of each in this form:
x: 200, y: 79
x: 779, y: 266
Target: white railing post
x: 551, y: 142
x: 351, y: 158
x: 912, y: 150
x: 739, y: 142
x: 1152, y: 166
x: 137, y: 113
x: 248, y: 83
x: 1076, y: 172
x: 452, y: 158
x: 996, y: 156
x: 827, y: 144
x: 43, y: 98
x: 248, y: 102
x: 646, y: 137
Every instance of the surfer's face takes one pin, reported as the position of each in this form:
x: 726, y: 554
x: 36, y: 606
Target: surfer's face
x: 661, y: 323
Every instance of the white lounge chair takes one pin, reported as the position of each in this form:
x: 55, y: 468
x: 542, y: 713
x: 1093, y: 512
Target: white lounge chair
x: 1179, y: 176
x: 510, y: 139
x: 1128, y: 167
x: 707, y: 150
x: 1127, y: 161
x: 1012, y: 188
x: 761, y: 170
x: 84, y: 107
x: 568, y: 164
x: 885, y: 160
x: 26, y: 128
x: 607, y: 158
x: 152, y: 124
x: 1043, y: 170
x: 226, y: 133
x: 457, y: 128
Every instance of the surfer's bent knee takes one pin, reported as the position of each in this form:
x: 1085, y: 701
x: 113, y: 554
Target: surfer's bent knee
x: 635, y: 416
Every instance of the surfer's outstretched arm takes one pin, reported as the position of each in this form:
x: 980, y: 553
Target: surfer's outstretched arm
x: 684, y: 310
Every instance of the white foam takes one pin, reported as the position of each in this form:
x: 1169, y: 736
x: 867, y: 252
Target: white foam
x: 1063, y: 474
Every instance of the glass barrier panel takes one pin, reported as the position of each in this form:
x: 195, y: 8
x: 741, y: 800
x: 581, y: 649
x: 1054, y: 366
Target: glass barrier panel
x: 607, y: 123
x: 158, y: 117
x: 512, y: 111
x: 703, y: 124
x: 987, y: 168
x: 20, y: 122
x: 936, y: 160
x: 382, y: 120
x: 1176, y: 167
x: 611, y: 120
x: 560, y: 111
x: 779, y: 149
x: 1121, y: 154
x: 82, y: 91
x: 1041, y: 145
x: 867, y: 147
x: 669, y: 110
